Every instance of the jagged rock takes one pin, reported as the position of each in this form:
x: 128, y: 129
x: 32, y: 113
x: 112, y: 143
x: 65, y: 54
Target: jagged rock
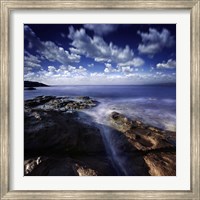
x: 54, y: 131
x: 152, y: 149
x: 57, y: 143
x: 84, y: 171
x: 67, y: 166
x: 40, y: 100
x: 60, y: 137
x: 161, y: 164
x: 52, y: 103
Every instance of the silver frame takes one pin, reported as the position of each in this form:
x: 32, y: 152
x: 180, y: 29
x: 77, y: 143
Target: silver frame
x: 7, y: 6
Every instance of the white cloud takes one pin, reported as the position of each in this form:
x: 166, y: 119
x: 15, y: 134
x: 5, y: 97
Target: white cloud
x: 29, y: 76
x: 127, y: 70
x: 68, y: 70
x: 101, y: 29
x: 99, y: 50
x: 124, y: 69
x: 136, y: 62
x: 170, y: 64
x: 49, y: 50
x: 51, y: 68
x: 31, y: 62
x: 72, y: 78
x: 158, y: 73
x: 109, y: 68
x: 91, y: 65
x: 54, y: 53
x: 154, y: 41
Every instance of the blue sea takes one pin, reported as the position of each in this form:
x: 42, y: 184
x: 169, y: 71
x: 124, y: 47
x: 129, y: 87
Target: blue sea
x: 152, y: 104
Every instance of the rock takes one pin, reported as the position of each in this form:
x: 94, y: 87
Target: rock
x: 36, y: 166
x: 58, y: 143
x: 84, y: 97
x: 84, y: 171
x: 60, y: 103
x: 149, y: 149
x: 161, y: 163
x: 49, y: 166
x: 54, y: 131
x: 66, y: 166
x: 120, y: 122
x: 139, y: 137
x: 40, y: 100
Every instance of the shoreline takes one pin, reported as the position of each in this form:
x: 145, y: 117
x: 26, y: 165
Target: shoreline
x: 55, y: 133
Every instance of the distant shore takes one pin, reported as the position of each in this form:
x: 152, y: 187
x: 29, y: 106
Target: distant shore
x: 32, y: 84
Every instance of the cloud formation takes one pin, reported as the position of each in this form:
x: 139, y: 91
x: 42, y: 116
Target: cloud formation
x: 98, y: 78
x: 99, y: 50
x: 122, y: 69
x: 101, y: 29
x: 31, y: 62
x: 154, y: 41
x: 170, y: 64
x: 91, y: 65
x: 48, y: 49
x: 99, y: 54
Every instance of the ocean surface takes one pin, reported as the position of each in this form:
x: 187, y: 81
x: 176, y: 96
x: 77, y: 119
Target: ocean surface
x: 153, y: 104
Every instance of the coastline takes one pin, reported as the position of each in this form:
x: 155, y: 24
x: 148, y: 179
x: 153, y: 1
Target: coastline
x: 58, y: 142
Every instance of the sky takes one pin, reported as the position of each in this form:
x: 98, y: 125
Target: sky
x: 100, y: 54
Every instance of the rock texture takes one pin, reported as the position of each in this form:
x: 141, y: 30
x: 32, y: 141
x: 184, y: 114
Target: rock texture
x: 153, y: 150
x: 62, y: 104
x: 56, y: 142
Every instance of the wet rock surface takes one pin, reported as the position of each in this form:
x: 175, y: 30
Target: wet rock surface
x: 62, y: 104
x: 152, y: 151
x: 57, y: 142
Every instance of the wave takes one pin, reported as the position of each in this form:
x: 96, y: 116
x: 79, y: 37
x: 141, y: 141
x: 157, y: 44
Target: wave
x: 160, y: 115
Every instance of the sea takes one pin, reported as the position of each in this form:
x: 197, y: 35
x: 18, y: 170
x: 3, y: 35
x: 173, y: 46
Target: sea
x: 152, y: 104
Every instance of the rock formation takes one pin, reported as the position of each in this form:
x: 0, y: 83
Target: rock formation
x: 153, y: 150
x: 58, y: 143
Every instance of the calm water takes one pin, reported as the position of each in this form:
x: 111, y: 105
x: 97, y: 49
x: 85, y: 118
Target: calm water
x: 155, y: 105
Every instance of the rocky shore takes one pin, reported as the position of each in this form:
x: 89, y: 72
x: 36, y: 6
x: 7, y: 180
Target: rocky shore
x: 151, y: 151
x: 57, y: 142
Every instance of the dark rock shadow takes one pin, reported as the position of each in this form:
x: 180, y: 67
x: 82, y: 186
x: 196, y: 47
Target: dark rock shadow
x: 75, y: 144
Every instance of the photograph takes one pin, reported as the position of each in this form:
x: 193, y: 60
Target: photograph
x: 99, y: 99
x: 105, y: 90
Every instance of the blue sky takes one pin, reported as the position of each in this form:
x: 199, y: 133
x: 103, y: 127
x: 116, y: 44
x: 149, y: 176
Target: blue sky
x: 100, y: 54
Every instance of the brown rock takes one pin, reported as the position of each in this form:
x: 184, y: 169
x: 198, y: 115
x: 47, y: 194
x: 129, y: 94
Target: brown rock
x: 161, y: 163
x: 153, y: 151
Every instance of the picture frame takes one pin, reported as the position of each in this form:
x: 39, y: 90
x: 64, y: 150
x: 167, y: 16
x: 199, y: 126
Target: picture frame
x: 8, y: 6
